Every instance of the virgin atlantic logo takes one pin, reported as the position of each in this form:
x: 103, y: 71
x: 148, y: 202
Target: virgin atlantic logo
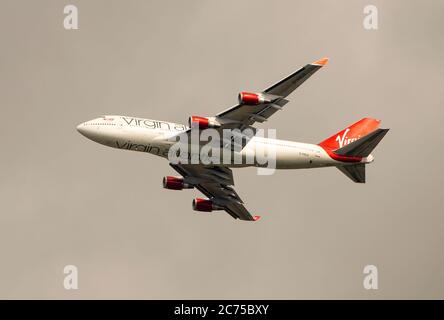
x: 344, y: 140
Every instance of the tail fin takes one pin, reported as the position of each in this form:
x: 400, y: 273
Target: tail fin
x: 353, y: 144
x: 350, y: 134
x: 360, y: 148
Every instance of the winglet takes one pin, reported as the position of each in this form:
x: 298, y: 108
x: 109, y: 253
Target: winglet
x: 256, y: 218
x: 320, y: 62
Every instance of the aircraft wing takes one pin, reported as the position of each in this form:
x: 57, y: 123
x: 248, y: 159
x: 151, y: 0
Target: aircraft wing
x: 246, y: 114
x: 216, y: 182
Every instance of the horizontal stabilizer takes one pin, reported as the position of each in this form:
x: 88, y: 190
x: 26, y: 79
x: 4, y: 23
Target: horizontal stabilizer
x: 363, y: 146
x: 355, y: 172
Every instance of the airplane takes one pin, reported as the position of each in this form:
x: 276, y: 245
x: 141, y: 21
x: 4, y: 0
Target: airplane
x: 349, y: 150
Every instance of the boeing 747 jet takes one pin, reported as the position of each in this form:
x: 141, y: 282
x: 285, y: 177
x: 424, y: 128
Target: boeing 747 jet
x: 348, y: 150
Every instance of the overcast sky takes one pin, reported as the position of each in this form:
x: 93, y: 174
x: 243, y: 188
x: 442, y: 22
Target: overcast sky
x: 67, y: 200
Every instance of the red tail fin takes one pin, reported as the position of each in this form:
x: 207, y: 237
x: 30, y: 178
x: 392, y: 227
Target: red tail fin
x: 350, y: 134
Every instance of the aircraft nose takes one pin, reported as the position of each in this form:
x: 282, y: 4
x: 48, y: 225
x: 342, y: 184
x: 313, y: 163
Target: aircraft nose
x: 81, y: 128
x: 91, y: 130
x: 87, y: 130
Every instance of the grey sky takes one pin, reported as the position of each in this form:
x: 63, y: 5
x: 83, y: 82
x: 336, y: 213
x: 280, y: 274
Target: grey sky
x: 66, y: 200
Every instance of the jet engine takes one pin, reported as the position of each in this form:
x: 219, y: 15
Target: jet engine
x: 202, y: 122
x: 251, y: 98
x: 175, y: 183
x: 206, y: 205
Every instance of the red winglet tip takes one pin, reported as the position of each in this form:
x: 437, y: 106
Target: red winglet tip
x: 256, y: 218
x: 321, y: 62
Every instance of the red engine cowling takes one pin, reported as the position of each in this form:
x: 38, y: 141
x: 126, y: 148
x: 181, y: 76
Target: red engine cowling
x: 206, y: 205
x: 175, y: 183
x: 201, y: 122
x: 251, y: 98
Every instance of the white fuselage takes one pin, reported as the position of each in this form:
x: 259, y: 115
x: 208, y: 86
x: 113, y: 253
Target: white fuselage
x: 154, y: 136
